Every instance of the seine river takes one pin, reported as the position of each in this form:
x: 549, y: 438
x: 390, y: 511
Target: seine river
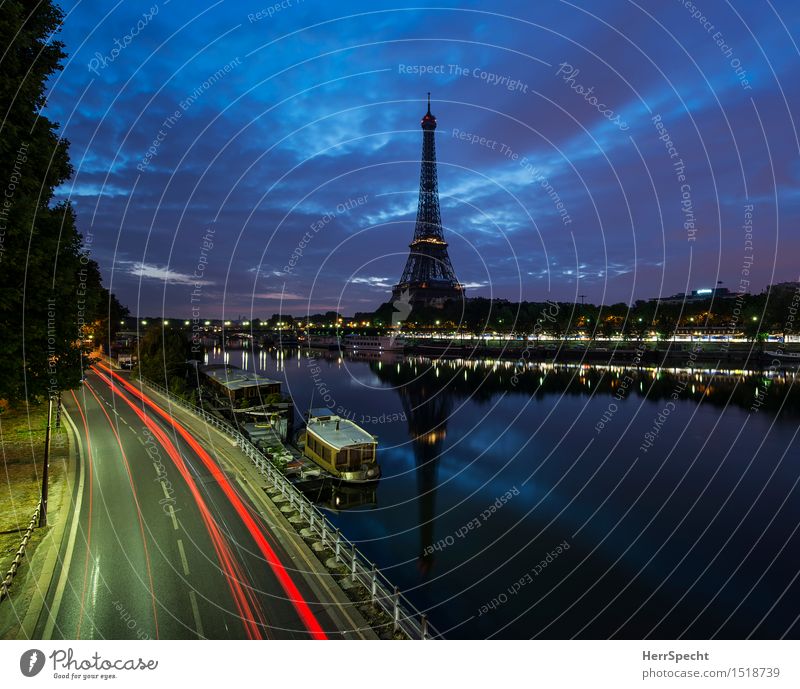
x: 561, y: 501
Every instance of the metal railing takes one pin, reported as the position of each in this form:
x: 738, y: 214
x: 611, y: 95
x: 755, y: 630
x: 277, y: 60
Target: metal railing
x: 406, y: 618
x: 20, y: 555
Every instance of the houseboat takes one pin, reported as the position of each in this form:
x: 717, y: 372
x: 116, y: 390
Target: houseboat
x: 340, y: 447
x: 323, y: 342
x: 793, y: 357
x: 377, y: 343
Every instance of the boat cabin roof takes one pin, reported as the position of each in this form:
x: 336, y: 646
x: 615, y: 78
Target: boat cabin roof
x: 338, y: 432
x: 235, y: 378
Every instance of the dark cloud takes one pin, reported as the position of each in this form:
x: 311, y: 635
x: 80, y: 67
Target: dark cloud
x: 265, y: 128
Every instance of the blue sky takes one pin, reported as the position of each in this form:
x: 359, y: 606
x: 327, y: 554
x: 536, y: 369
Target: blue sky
x: 252, y: 123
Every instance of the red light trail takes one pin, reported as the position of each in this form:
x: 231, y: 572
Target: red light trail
x: 135, y: 500
x: 301, y: 606
x: 226, y: 559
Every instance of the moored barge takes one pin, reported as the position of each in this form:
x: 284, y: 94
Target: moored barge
x: 341, y: 447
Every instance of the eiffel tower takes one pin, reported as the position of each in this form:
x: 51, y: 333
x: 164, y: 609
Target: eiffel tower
x: 428, y: 278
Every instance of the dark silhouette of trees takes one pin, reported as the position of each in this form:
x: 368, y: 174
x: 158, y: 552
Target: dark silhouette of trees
x: 51, y: 297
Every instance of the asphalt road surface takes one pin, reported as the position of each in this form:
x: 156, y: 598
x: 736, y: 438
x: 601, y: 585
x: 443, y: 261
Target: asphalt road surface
x: 162, y: 543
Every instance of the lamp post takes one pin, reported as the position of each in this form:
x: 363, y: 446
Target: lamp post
x: 45, y: 472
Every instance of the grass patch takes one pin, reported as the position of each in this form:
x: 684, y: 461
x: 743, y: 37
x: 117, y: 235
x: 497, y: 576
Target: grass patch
x: 22, y: 435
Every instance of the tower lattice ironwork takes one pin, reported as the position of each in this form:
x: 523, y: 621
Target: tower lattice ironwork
x: 428, y: 277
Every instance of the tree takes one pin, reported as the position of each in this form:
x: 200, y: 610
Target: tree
x: 103, y: 309
x: 47, y: 289
x: 610, y: 326
x: 164, y: 353
x: 666, y: 324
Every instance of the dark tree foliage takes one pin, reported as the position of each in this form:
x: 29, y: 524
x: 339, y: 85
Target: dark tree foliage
x: 103, y: 308
x: 164, y: 353
x: 49, y: 287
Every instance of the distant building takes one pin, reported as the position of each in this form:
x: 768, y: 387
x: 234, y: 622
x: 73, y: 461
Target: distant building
x: 125, y: 339
x: 696, y: 295
x: 784, y: 287
x: 237, y: 384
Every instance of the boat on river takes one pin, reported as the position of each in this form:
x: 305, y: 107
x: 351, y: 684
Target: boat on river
x: 781, y: 355
x: 377, y: 343
x: 340, y: 447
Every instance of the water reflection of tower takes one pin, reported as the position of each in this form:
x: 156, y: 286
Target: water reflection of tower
x: 427, y: 405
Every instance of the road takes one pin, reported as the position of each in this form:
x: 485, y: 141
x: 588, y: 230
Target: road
x: 163, y: 542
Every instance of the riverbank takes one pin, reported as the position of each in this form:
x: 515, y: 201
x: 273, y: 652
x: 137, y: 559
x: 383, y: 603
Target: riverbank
x: 455, y: 435
x: 739, y: 354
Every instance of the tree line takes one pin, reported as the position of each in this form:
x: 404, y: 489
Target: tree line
x: 53, y: 305
x: 755, y: 315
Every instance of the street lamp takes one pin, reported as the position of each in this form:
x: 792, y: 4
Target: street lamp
x: 45, y: 471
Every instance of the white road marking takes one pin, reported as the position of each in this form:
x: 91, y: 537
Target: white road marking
x: 198, y: 625
x: 184, y: 561
x: 172, y: 514
x: 62, y: 580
